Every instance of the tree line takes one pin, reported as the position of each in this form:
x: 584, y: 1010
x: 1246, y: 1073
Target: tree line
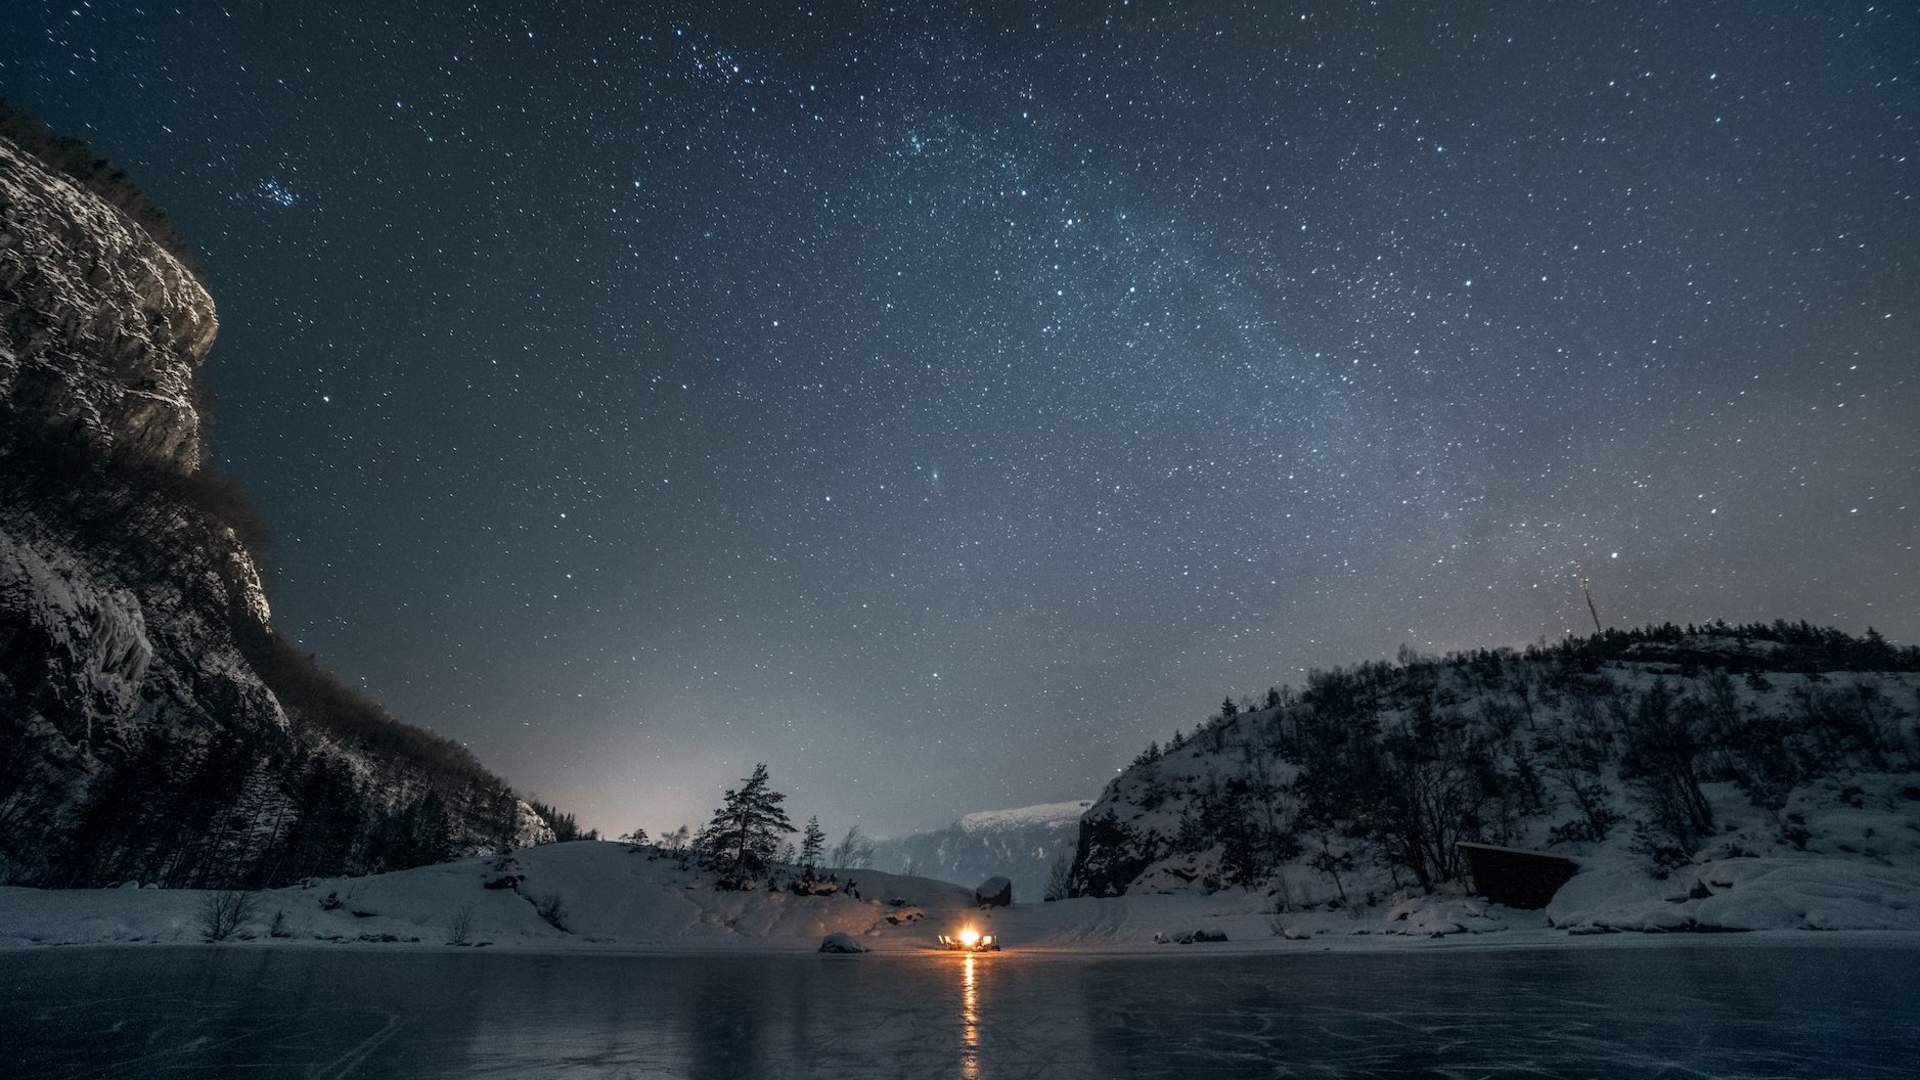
x: 745, y: 842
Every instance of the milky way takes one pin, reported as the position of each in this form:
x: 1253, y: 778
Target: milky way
x: 939, y: 406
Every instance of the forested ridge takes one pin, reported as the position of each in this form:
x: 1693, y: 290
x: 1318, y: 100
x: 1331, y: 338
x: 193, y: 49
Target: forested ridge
x: 1364, y: 780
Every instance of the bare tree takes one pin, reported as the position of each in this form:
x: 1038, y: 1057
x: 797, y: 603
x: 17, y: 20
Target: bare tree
x: 222, y: 912
x: 853, y: 852
x: 1663, y: 745
x: 553, y: 911
x: 460, y: 925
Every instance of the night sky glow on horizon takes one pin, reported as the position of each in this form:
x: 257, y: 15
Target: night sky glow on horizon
x: 938, y: 405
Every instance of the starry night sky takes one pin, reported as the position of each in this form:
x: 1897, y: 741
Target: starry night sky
x: 938, y: 406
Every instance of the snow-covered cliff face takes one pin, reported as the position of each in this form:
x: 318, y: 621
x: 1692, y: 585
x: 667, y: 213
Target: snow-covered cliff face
x: 1020, y: 845
x: 104, y: 328
x: 141, y: 731
x: 1643, y: 755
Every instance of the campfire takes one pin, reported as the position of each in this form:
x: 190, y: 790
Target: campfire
x: 968, y: 939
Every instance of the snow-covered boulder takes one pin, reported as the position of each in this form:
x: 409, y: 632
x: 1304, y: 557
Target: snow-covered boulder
x: 837, y: 942
x: 1439, y: 916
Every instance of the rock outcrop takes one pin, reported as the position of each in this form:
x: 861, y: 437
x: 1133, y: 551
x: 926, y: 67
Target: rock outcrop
x: 994, y: 892
x: 104, y: 328
x: 152, y: 726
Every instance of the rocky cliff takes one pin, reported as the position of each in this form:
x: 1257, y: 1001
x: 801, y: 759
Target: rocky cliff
x: 1644, y: 755
x: 152, y: 725
x: 105, y: 329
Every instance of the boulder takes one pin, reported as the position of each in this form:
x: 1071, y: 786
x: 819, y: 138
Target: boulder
x: 1191, y: 937
x: 841, y: 943
x: 994, y: 892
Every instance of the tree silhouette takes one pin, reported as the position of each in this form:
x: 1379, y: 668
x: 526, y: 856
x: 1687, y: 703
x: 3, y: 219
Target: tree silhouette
x: 813, y: 843
x: 744, y: 835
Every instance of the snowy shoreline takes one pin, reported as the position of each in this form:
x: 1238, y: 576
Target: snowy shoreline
x: 602, y: 899
x: 1378, y: 945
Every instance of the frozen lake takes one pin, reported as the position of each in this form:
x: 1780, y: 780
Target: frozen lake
x: 1691, y: 1009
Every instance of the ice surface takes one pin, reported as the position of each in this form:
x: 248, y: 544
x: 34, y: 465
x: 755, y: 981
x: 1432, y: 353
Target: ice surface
x: 1707, y: 1008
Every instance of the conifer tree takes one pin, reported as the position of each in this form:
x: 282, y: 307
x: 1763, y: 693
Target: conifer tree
x: 744, y: 835
x: 813, y: 843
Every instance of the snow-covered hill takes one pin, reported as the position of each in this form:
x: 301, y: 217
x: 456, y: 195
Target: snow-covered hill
x: 1021, y: 845
x: 580, y: 894
x: 1678, y: 767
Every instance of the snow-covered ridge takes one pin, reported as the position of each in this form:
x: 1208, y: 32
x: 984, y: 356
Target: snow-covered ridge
x: 1020, y: 844
x: 1045, y: 814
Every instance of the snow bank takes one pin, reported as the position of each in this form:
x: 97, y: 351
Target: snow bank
x: 1743, y: 894
x: 563, y: 896
x: 591, y: 895
x: 1439, y: 916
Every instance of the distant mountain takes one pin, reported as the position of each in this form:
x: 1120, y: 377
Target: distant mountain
x: 1021, y: 845
x: 1645, y: 754
x: 153, y: 726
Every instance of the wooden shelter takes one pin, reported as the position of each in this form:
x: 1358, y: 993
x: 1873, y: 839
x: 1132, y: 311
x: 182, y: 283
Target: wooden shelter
x: 1514, y: 877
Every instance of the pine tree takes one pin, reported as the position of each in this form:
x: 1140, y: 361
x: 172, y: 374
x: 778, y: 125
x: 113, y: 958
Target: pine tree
x: 813, y: 843
x: 744, y: 835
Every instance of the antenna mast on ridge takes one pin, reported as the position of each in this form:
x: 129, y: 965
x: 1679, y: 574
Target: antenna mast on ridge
x: 1587, y: 592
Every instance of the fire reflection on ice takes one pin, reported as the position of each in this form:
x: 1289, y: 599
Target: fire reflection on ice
x: 969, y: 1021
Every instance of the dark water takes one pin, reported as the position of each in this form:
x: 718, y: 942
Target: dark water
x: 1686, y: 1011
